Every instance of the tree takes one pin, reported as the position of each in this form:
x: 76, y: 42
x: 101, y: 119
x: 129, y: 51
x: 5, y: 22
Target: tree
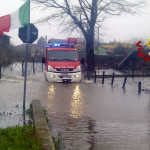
x: 41, y: 44
x: 85, y: 14
x: 41, y: 41
x: 119, y: 50
x: 5, y: 55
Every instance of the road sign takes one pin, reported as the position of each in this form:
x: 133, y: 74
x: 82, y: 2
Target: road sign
x: 33, y: 34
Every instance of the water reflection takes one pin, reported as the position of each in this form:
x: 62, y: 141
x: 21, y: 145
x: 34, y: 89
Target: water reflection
x: 51, y: 92
x: 77, y: 103
x: 51, y: 96
x: 92, y: 132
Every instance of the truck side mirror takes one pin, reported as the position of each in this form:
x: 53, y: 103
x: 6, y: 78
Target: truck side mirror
x: 82, y: 61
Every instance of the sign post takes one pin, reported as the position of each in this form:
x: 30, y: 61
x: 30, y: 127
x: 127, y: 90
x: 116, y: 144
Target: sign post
x: 28, y: 35
x: 25, y: 74
x: 33, y: 33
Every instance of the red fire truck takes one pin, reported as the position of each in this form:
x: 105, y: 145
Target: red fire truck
x: 62, y: 63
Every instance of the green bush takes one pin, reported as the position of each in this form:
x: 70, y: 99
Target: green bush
x: 19, y: 138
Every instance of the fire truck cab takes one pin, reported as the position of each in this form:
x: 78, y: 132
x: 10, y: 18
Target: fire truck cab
x: 62, y: 63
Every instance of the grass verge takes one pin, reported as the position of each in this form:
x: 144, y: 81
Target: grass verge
x: 19, y: 138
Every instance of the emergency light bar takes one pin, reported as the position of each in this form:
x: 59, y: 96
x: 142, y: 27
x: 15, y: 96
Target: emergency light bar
x: 61, y: 45
x: 56, y: 45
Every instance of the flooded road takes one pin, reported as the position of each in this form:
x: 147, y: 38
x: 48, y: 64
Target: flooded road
x: 11, y: 92
x: 88, y: 116
x: 94, y: 116
x: 11, y: 97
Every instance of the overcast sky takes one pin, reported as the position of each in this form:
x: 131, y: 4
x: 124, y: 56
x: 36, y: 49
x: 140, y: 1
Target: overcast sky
x: 121, y: 28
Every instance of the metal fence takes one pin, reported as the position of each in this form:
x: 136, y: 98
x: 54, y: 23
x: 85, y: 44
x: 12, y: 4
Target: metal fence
x: 17, y: 69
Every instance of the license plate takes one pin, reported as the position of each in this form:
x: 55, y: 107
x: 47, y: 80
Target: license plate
x: 65, y: 75
x: 64, y: 70
x: 66, y: 80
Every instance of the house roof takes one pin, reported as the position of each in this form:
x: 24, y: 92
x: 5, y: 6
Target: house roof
x: 6, y: 35
x: 116, y: 44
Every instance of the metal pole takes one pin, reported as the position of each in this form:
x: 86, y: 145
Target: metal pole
x: 103, y: 77
x: 98, y: 36
x: 25, y: 74
x: 112, y: 81
x: 139, y: 87
x: 11, y: 66
x: 95, y: 77
x: 33, y: 67
x: 124, y: 83
x: 0, y: 72
x: 25, y: 78
x: 22, y: 68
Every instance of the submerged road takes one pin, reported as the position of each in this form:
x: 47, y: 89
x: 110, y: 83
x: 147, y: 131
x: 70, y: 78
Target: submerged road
x: 88, y: 116
x: 94, y: 116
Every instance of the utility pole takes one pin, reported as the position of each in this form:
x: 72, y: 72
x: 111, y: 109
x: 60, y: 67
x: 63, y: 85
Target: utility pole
x: 98, y: 35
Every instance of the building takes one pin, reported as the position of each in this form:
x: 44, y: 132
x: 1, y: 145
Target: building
x: 5, y: 50
x: 4, y: 40
x: 109, y: 47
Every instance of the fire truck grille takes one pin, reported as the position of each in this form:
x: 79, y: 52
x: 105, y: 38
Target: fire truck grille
x: 64, y: 70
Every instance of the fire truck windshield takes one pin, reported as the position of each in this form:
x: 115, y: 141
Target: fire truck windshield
x: 63, y: 55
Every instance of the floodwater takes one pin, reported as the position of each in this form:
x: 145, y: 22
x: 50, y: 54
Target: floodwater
x: 11, y: 92
x: 93, y: 116
x: 89, y: 116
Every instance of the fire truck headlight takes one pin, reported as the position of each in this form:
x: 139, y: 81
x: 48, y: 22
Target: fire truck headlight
x: 52, y: 76
x: 76, y: 76
x: 78, y: 69
x: 50, y: 69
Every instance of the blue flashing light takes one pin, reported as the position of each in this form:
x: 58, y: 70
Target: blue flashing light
x: 62, y: 45
x: 56, y: 44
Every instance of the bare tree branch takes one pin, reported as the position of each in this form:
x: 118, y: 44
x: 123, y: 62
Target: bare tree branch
x: 85, y: 14
x: 87, y: 18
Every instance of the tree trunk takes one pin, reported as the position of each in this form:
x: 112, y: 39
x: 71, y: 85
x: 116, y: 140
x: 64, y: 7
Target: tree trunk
x: 90, y: 52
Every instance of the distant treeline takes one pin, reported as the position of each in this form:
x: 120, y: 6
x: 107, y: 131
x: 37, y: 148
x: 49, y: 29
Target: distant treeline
x: 9, y: 54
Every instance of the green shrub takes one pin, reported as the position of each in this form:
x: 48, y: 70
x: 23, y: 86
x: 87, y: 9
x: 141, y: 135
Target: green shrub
x: 19, y: 138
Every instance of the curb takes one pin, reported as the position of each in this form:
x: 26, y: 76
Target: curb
x: 41, y: 126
